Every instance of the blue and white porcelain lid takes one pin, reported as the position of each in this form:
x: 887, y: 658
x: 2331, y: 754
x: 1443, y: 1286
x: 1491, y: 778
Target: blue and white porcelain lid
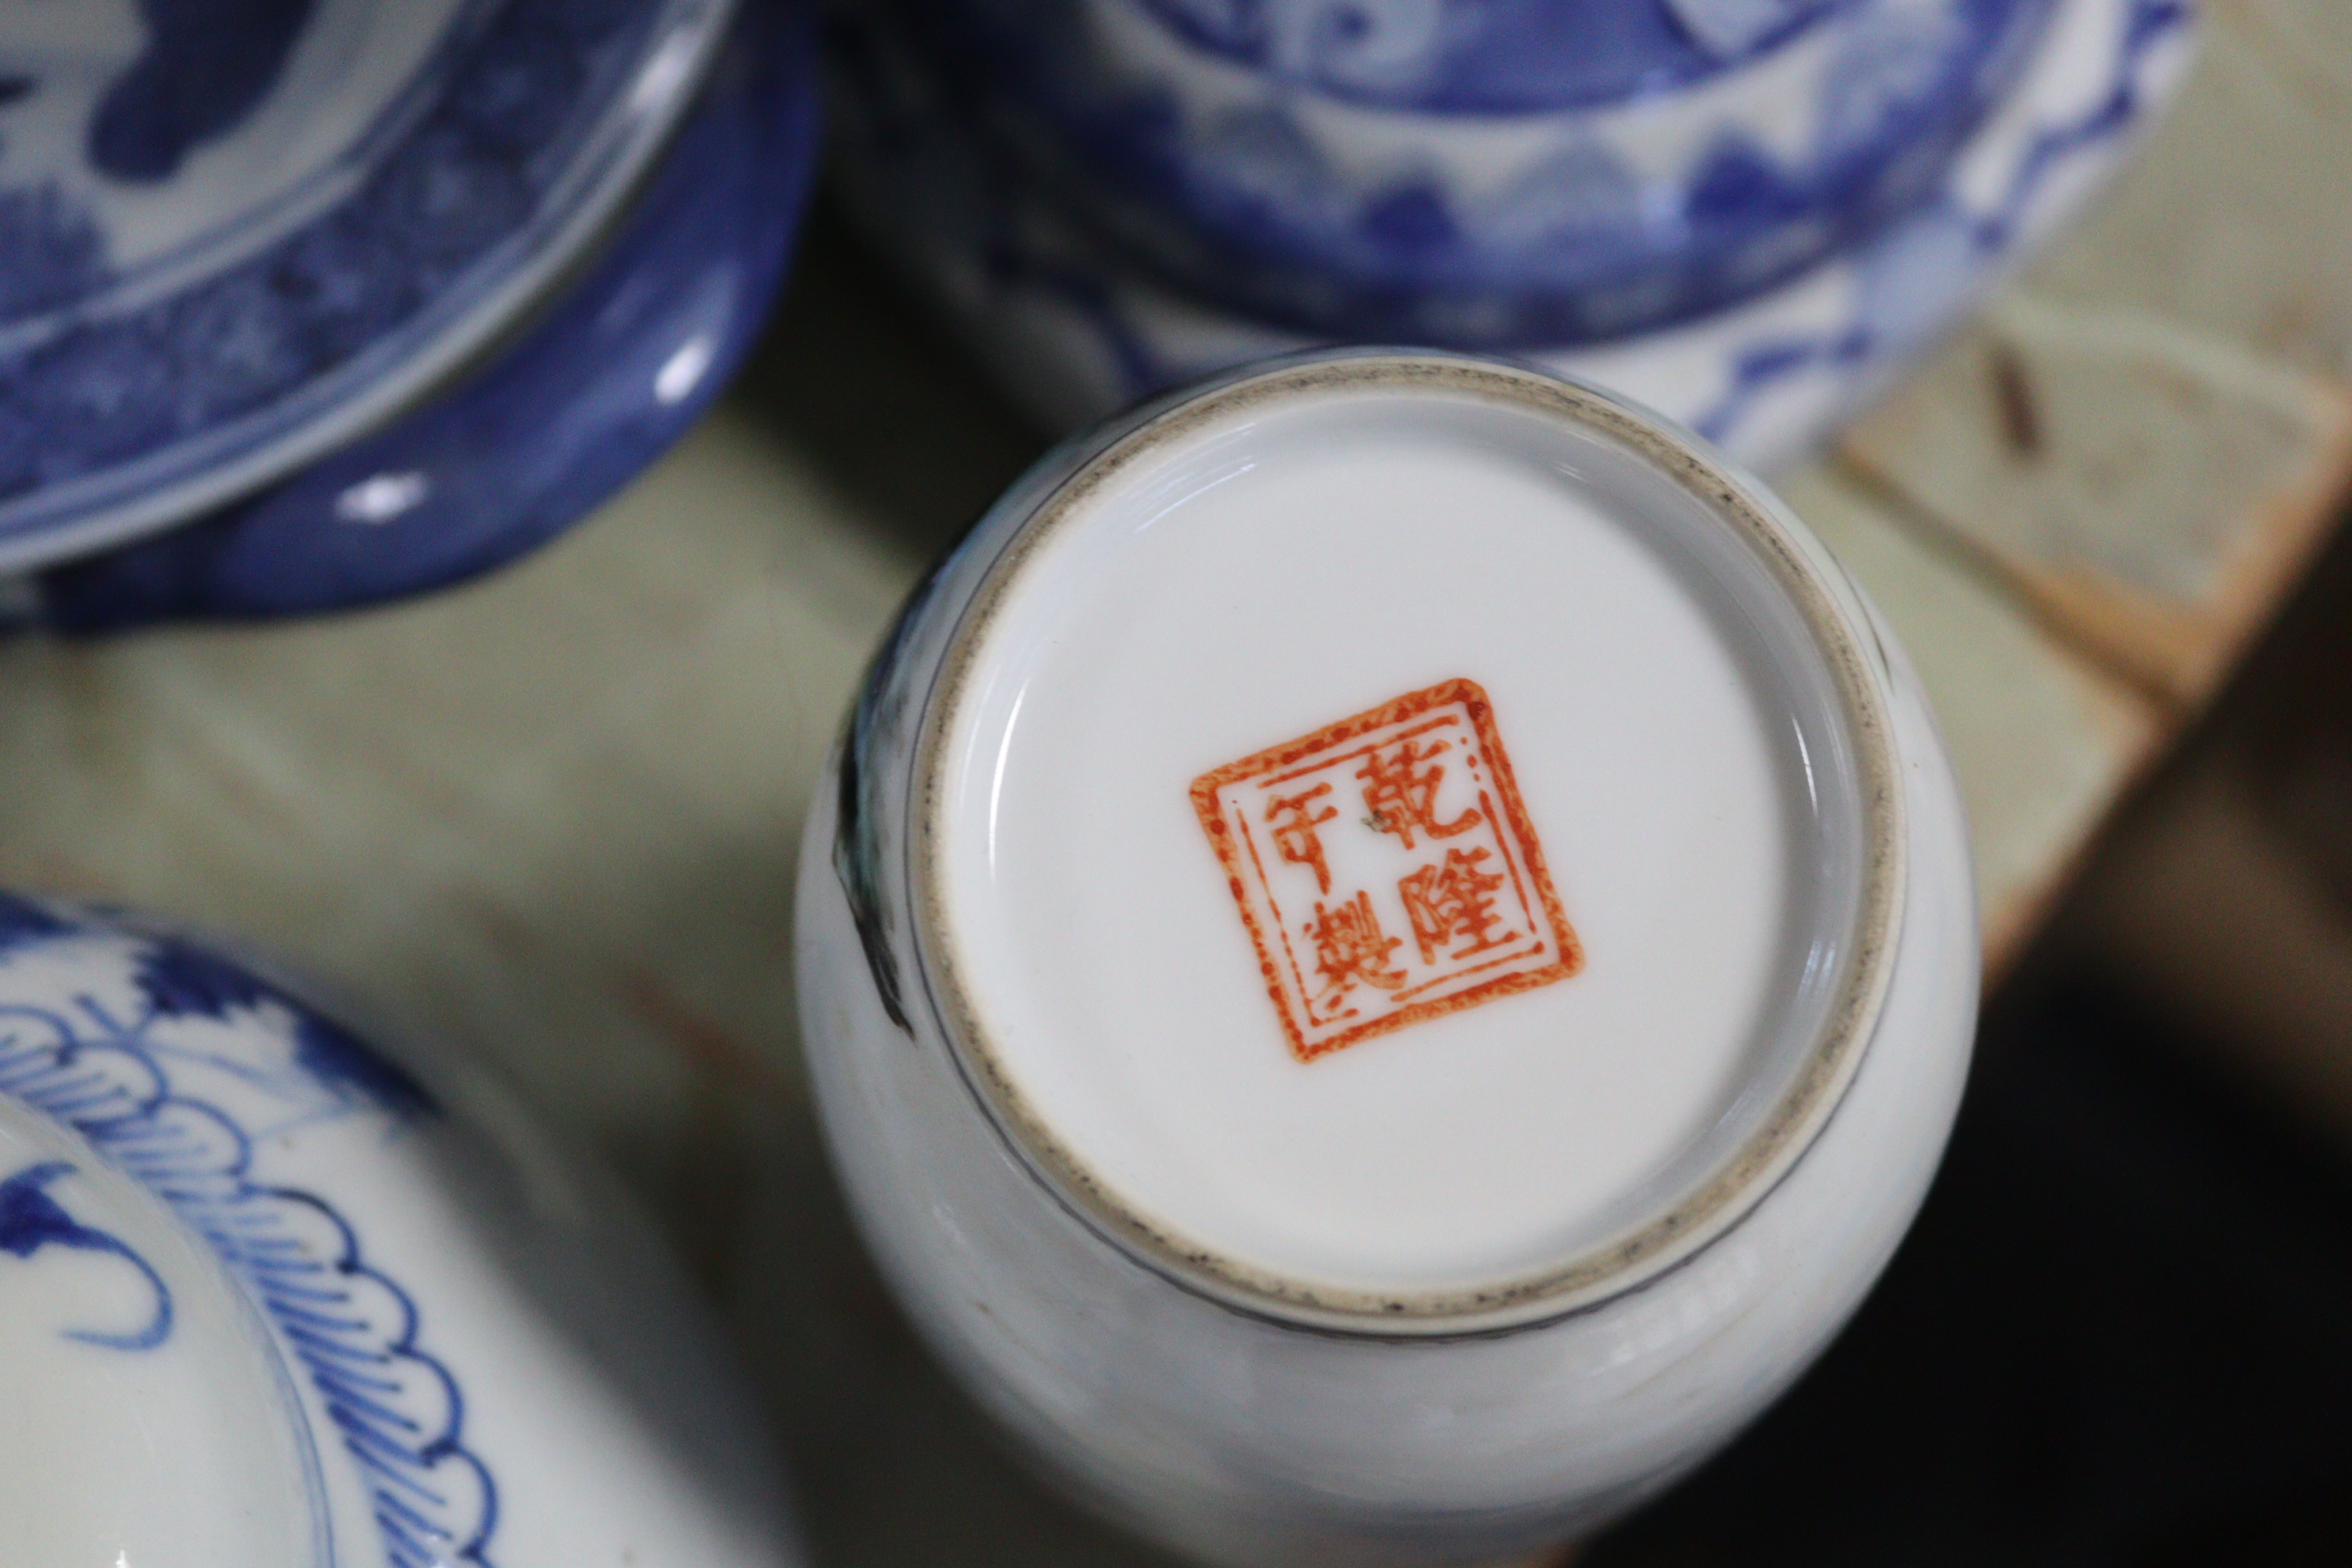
x: 233, y: 236
x: 148, y: 1421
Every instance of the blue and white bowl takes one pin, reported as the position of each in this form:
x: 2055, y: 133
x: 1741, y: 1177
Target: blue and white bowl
x: 1077, y: 322
x: 1487, y: 173
x: 235, y: 233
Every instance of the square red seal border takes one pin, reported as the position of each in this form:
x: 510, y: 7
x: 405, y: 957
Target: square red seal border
x: 1473, y: 699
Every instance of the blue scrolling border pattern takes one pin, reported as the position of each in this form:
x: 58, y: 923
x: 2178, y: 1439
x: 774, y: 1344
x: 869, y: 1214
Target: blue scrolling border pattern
x: 110, y: 1067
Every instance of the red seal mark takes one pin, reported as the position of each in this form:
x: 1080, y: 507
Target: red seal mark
x: 1387, y: 869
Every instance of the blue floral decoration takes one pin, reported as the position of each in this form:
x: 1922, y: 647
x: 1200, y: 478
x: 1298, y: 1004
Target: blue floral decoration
x: 453, y: 189
x: 942, y: 193
x: 1906, y: 288
x: 1491, y: 57
x: 21, y: 920
x: 180, y: 979
x: 1241, y: 209
x: 205, y: 67
x: 535, y: 436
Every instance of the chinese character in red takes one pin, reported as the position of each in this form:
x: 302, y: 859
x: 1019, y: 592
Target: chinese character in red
x: 1475, y: 915
x: 1402, y: 794
x: 1350, y: 947
x: 1294, y: 818
x: 1454, y: 900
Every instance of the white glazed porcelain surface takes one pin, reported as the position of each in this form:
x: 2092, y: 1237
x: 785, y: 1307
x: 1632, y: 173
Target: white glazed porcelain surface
x: 1241, y: 1435
x: 493, y: 1360
x: 1246, y: 589
x: 126, y: 1351
x: 1076, y: 335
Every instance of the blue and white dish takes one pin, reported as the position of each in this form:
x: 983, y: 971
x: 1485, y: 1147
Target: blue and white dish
x: 1487, y: 173
x: 616, y: 368
x: 1076, y: 330
x: 235, y: 236
x: 282, y: 1301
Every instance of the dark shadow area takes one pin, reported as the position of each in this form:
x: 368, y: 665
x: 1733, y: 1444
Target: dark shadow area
x: 2117, y: 1335
x: 890, y: 1462
x: 858, y: 372
x: 2121, y: 1332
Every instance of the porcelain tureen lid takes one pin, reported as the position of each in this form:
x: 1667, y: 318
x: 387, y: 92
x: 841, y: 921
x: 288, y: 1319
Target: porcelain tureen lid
x: 150, y: 1421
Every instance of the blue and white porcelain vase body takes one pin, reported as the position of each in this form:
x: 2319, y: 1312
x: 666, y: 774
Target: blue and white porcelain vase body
x: 1744, y: 213
x: 271, y: 1299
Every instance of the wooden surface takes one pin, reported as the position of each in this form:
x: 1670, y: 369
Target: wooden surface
x: 553, y: 815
